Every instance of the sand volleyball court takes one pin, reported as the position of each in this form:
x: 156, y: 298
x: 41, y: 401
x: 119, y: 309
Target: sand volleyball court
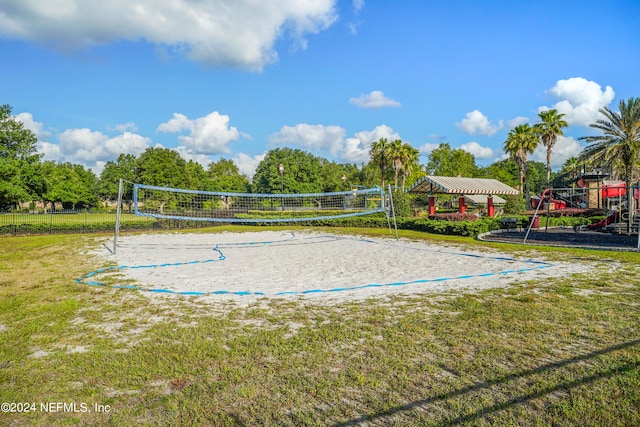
x: 245, y: 267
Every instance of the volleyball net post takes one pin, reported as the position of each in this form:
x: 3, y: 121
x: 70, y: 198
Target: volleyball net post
x: 391, y: 213
x: 116, y: 232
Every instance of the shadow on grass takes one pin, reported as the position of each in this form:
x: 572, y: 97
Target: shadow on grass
x: 605, y: 373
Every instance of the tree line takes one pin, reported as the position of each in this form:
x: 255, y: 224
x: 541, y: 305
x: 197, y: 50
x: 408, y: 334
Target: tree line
x: 25, y: 177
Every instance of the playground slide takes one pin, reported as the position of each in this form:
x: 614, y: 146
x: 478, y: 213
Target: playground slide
x: 611, y: 217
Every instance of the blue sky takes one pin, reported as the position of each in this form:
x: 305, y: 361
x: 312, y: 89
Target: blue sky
x: 236, y: 78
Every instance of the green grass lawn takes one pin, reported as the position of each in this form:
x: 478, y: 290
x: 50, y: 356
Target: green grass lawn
x: 565, y: 351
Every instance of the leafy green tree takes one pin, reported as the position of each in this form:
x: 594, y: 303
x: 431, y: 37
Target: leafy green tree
x: 522, y: 141
x: 568, y: 174
x: 549, y: 128
x: 332, y: 176
x: 88, y: 187
x: 20, y: 177
x: 443, y: 161
x: 537, y: 172
x: 619, y: 144
x: 108, y: 184
x: 162, y: 167
x: 514, y: 204
x: 12, y: 186
x: 301, y: 172
x: 198, y: 177
x: 505, y: 171
x: 224, y: 175
x: 354, y: 176
x: 16, y: 142
x: 572, y: 166
x: 71, y: 186
x: 369, y: 174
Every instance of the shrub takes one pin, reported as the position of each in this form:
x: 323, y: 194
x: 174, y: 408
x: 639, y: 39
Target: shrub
x: 454, y: 216
x: 514, y: 204
x: 401, y: 203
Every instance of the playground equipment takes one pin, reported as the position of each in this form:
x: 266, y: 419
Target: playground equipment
x: 617, y: 219
x: 610, y: 218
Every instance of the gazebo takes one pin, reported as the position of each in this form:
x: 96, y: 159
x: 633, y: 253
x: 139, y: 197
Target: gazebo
x: 461, y: 186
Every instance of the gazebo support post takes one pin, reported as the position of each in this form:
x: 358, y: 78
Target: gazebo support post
x: 432, y: 204
x: 461, y: 205
x: 491, y: 209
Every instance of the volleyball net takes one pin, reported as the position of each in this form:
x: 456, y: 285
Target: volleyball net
x: 179, y: 204
x: 214, y: 206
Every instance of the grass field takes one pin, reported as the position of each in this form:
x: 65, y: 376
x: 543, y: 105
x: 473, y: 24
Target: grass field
x: 562, y: 352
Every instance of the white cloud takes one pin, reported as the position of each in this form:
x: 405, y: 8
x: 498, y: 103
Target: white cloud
x: 36, y: 127
x: 82, y: 145
x: 564, y: 148
x: 85, y: 146
x: 49, y: 151
x: 357, y: 6
x: 478, y: 151
x: 331, y: 139
x: 375, y: 99
x: 207, y: 135
x: 476, y: 123
x: 238, y: 33
x: 129, y: 126
x: 92, y: 149
x: 517, y: 121
x: 310, y: 137
x: 203, y: 159
x: 356, y: 149
x: 580, y: 100
x: 178, y: 123
x: 380, y: 131
x: 125, y: 143
x: 426, y: 149
x: 247, y: 164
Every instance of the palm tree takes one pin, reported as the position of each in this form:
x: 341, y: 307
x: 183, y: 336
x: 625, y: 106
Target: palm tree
x: 411, y: 159
x: 522, y: 141
x: 572, y: 166
x: 380, y: 153
x: 549, y: 129
x: 397, y: 154
x: 619, y: 144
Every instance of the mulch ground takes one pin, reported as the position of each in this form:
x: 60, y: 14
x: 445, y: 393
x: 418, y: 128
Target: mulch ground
x: 567, y: 237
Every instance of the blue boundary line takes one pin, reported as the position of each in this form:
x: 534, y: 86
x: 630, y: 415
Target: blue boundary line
x: 84, y: 280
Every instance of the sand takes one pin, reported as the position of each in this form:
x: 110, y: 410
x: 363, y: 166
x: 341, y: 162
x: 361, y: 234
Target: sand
x: 257, y: 266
